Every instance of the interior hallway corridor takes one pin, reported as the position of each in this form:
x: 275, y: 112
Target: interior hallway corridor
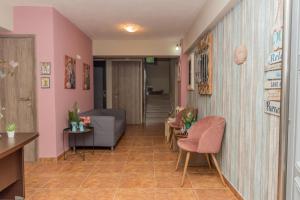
x: 141, y: 168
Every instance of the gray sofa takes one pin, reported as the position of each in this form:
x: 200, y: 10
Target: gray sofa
x: 109, y: 125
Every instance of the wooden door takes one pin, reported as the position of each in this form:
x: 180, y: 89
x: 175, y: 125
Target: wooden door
x: 17, y: 91
x: 127, y: 89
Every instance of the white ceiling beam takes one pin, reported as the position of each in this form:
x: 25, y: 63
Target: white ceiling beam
x: 210, y: 14
x: 6, y: 17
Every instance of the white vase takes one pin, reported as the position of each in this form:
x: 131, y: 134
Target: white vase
x: 10, y: 134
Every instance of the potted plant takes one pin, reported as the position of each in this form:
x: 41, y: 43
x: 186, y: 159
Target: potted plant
x: 74, y: 118
x: 10, y: 130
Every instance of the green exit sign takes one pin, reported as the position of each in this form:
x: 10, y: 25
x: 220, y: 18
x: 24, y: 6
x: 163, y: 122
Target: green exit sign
x: 150, y: 60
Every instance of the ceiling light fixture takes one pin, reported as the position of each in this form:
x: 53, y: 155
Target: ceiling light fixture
x: 177, y: 47
x: 131, y: 28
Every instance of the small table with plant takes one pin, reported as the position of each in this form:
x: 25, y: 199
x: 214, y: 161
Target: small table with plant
x: 75, y: 134
x: 79, y: 127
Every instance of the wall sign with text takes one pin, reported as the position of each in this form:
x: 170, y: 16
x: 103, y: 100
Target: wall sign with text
x: 272, y: 107
x: 275, y: 57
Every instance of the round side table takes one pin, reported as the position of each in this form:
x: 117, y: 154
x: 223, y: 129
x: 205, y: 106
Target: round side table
x: 87, y: 130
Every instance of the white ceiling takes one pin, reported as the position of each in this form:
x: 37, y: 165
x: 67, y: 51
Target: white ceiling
x: 161, y: 19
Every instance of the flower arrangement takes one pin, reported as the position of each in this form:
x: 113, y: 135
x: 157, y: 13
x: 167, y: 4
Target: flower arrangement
x: 86, y: 120
x: 189, y: 118
x: 74, y: 114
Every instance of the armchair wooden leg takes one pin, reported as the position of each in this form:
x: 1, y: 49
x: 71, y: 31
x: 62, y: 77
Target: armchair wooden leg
x: 170, y: 135
x: 185, y: 167
x: 208, y: 160
x: 179, y: 158
x: 171, y: 142
x: 218, y: 168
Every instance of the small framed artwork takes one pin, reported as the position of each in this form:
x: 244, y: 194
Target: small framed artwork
x: 179, y: 71
x: 86, y: 77
x: 70, y: 73
x: 45, y: 82
x: 45, y: 68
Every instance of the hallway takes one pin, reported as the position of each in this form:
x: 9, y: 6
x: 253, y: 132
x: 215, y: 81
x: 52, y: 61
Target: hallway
x: 141, y: 168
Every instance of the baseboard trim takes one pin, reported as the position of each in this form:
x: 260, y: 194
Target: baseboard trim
x: 52, y: 159
x: 233, y: 189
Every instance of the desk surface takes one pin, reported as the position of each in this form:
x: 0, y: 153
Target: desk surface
x: 10, y: 145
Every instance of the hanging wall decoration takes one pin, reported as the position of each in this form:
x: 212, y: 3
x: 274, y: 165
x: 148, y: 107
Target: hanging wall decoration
x: 204, y: 65
x: 70, y: 73
x: 272, y: 86
x: 45, y: 82
x: 45, y: 68
x: 179, y: 71
x: 86, y: 77
x: 240, y: 55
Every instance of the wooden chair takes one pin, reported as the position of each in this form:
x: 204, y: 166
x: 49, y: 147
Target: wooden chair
x: 205, y: 137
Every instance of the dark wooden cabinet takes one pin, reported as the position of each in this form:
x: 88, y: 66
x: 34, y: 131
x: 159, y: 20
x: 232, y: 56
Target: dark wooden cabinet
x: 12, y: 164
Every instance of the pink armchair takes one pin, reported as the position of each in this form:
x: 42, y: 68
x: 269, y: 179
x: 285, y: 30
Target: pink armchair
x: 205, y: 136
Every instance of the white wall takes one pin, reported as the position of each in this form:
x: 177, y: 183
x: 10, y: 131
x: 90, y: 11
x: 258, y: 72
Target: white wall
x: 6, y: 17
x: 135, y: 48
x: 211, y: 13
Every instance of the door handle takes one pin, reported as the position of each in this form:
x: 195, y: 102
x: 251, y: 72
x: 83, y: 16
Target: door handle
x: 24, y: 99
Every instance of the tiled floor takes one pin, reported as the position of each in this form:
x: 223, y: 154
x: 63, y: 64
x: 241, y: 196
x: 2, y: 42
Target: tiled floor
x: 141, y: 168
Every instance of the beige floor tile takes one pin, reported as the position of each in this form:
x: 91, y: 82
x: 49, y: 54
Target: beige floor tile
x: 165, y: 156
x: 135, y: 194
x: 95, y: 194
x: 135, y: 156
x: 113, y: 157
x: 170, y: 181
x: 64, y: 182
x: 215, y: 194
x: 200, y: 181
x: 35, y: 181
x: 147, y: 142
x: 139, y: 167
x: 137, y: 181
x: 142, y: 149
x: 104, y: 181
x: 166, y: 168
x: 175, y: 194
x: 53, y: 194
x: 108, y: 168
x: 77, y: 169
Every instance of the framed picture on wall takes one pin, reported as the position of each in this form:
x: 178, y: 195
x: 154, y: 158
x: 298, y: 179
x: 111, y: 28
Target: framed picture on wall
x: 45, y: 68
x: 191, y: 74
x: 179, y: 71
x: 45, y: 82
x: 70, y: 73
x: 86, y: 77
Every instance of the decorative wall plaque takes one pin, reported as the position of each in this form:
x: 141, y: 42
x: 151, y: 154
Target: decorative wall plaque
x: 240, y: 55
x: 204, y: 65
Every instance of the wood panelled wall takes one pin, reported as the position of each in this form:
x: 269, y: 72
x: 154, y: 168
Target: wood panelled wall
x: 249, y: 155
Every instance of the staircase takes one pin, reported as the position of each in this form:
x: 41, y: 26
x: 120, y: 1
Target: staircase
x: 157, y: 108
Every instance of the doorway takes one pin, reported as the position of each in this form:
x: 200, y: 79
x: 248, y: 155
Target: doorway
x: 161, y: 89
x: 17, y: 87
x: 100, y: 84
x: 127, y: 88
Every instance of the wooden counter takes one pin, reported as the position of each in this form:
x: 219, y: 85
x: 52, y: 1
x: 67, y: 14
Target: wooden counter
x: 12, y: 164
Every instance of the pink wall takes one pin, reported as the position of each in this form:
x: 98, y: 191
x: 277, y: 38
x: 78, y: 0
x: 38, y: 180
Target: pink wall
x: 39, y: 22
x: 69, y: 40
x: 55, y: 37
x: 184, y: 79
